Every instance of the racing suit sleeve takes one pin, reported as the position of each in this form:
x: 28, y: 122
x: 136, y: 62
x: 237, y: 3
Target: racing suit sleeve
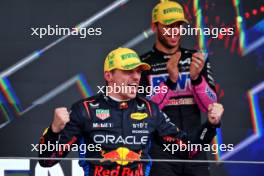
x: 204, y: 88
x: 170, y: 133
x: 162, y: 97
x: 59, y: 142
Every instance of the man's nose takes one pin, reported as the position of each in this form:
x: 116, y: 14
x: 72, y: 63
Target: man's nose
x: 136, y: 75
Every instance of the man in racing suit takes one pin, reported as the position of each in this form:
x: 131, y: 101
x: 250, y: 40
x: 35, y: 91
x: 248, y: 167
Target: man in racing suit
x: 121, y: 123
x: 187, y: 75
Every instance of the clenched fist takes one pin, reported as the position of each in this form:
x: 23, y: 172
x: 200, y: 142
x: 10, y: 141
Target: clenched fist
x: 197, y: 64
x: 172, y: 67
x: 61, y: 118
x: 215, y: 112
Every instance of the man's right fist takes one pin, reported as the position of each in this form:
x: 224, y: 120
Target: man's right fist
x: 60, y: 119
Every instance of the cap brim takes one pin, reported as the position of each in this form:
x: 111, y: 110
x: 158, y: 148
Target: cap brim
x: 174, y: 21
x: 142, y: 65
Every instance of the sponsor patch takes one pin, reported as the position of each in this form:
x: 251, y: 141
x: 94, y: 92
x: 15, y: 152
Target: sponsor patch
x: 96, y: 105
x: 140, y: 131
x: 142, y: 107
x: 140, y: 125
x: 103, y: 125
x: 121, y: 155
x: 118, y: 170
x: 138, y: 116
x: 210, y: 93
x: 111, y: 139
x: 102, y: 113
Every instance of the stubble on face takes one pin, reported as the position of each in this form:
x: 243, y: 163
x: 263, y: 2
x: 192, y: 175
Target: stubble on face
x: 168, y: 41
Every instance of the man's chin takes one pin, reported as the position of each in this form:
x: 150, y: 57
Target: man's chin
x: 131, y: 95
x: 170, y: 45
x: 173, y: 43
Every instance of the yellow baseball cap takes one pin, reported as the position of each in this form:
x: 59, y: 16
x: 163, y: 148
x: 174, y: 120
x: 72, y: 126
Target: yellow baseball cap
x: 124, y: 59
x: 168, y: 12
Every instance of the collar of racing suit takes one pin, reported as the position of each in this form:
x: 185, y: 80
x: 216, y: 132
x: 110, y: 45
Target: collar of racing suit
x: 117, y: 99
x: 123, y: 104
x: 126, y: 104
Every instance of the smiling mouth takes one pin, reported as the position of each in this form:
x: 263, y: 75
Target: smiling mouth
x: 133, y: 84
x: 133, y: 87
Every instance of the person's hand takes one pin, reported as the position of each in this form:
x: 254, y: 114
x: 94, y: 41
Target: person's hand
x: 215, y: 112
x: 61, y: 118
x: 197, y: 64
x: 172, y: 67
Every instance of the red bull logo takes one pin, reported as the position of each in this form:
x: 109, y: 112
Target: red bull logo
x: 119, y: 171
x: 121, y: 156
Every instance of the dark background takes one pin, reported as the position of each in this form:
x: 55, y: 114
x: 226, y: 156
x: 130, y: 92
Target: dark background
x: 234, y: 72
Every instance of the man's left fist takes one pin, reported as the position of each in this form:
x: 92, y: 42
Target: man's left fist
x: 197, y: 64
x: 215, y: 112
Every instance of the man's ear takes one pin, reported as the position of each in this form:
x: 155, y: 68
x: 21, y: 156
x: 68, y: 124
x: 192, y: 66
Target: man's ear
x: 108, y: 76
x: 154, y: 27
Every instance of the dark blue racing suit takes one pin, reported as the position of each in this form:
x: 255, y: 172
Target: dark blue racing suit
x: 121, y: 133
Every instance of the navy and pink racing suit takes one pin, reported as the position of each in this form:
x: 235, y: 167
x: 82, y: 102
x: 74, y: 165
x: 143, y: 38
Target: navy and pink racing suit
x: 182, y: 101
